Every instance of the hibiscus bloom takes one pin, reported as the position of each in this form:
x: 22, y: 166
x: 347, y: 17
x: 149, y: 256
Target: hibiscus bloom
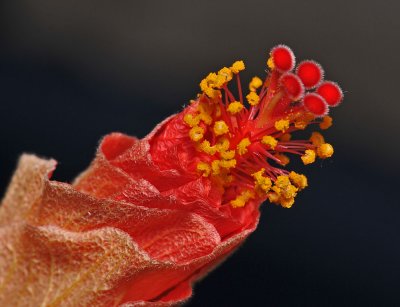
x: 149, y: 217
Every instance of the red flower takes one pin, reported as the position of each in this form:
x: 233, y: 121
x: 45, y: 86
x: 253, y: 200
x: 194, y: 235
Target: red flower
x: 149, y: 217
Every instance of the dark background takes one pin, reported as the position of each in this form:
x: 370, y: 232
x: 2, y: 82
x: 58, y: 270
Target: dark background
x: 72, y: 71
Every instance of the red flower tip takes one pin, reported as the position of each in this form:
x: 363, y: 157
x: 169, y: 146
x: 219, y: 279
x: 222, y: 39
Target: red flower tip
x: 331, y: 92
x: 315, y: 104
x: 292, y: 85
x: 282, y: 58
x: 310, y: 73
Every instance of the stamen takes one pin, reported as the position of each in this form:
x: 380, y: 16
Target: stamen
x: 243, y: 150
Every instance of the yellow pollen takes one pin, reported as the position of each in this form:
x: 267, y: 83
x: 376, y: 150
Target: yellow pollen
x: 270, y: 141
x: 289, y: 192
x: 308, y: 157
x: 253, y: 98
x: 303, y: 121
x: 237, y: 67
x: 255, y: 83
x: 212, y: 93
x: 299, y: 181
x: 220, y: 81
x: 285, y: 137
x: 326, y: 122
x: 242, y: 146
x: 270, y: 63
x: 282, y: 125
x: 226, y: 73
x: 220, y: 127
x: 317, y: 139
x: 222, y: 144
x: 273, y: 197
x: 227, y: 163
x: 196, y: 133
x: 206, y: 118
x: 235, y: 107
x: 215, y: 167
x: 285, y: 190
x: 286, y: 202
x: 204, y: 168
x: 208, y: 82
x: 261, y: 181
x: 282, y: 181
x: 325, y: 151
x: 284, y: 160
x: 191, y: 120
x: 242, y: 199
x: 207, y: 148
x: 230, y: 154
x: 301, y: 124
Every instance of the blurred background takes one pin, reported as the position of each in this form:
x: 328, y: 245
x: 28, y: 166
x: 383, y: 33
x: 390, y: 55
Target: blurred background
x: 72, y: 71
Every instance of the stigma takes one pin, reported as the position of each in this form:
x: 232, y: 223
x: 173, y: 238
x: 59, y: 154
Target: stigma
x: 244, y: 139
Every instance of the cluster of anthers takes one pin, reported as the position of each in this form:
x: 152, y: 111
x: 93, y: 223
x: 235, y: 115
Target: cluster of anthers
x: 244, y: 148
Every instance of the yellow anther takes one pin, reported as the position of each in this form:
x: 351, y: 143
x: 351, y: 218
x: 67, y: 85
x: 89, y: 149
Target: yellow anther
x: 230, y: 154
x: 215, y: 167
x: 308, y: 157
x: 299, y: 181
x: 206, y: 118
x: 220, y: 127
x: 237, y: 67
x: 326, y: 122
x: 283, y: 159
x: 235, y: 107
x: 325, y: 151
x: 286, y: 202
x: 270, y: 141
x: 273, y: 197
x: 284, y: 188
x: 261, y: 181
x: 285, y: 137
x: 289, y: 192
x: 191, y: 120
x: 253, y: 98
x: 212, y: 93
x: 196, y: 133
x: 282, y: 181
x: 242, y: 199
x: 203, y: 85
x: 242, y: 146
x: 227, y: 163
x: 204, y: 168
x: 207, y: 148
x: 222, y: 144
x: 270, y: 63
x: 255, y: 83
x: 301, y: 124
x: 220, y: 81
x: 303, y: 121
x: 208, y: 82
x: 226, y: 72
x: 282, y: 125
x: 317, y: 139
